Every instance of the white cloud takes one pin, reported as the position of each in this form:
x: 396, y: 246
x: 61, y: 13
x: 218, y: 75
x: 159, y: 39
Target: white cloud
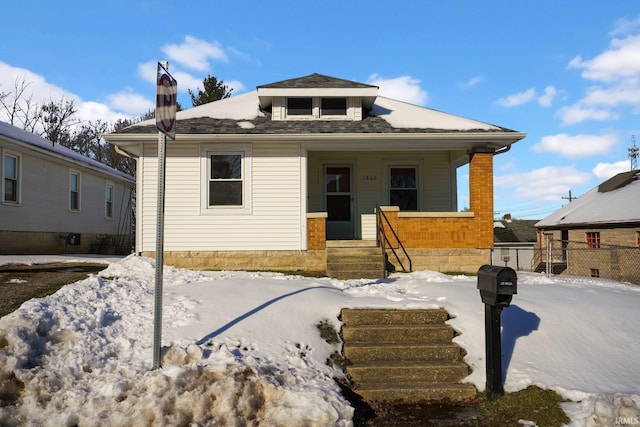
x: 607, y: 170
x: 626, y: 91
x: 622, y: 59
x: 404, y: 88
x: 36, y: 87
x: 130, y: 103
x: 550, y: 93
x: 194, y: 53
x: 518, y: 98
x: 578, y: 113
x: 624, y: 26
x: 549, y: 183
x: 474, y: 81
x: 576, y: 145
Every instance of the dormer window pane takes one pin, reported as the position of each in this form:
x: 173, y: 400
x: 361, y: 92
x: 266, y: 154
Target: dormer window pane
x: 334, y: 106
x: 299, y: 106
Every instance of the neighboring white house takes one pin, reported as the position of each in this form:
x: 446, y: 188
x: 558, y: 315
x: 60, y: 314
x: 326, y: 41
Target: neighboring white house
x: 271, y: 178
x: 54, y: 200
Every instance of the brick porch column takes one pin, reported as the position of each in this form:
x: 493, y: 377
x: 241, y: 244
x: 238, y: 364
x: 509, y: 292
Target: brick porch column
x: 316, y: 231
x: 481, y: 195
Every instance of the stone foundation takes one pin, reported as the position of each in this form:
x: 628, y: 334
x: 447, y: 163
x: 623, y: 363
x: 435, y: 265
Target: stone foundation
x: 466, y: 261
x: 290, y: 261
x: 47, y: 243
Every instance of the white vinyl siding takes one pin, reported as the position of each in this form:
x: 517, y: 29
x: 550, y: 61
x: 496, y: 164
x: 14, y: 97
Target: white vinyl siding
x: 44, y: 198
x: 272, y: 222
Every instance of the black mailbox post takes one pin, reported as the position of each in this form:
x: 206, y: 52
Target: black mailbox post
x: 497, y: 286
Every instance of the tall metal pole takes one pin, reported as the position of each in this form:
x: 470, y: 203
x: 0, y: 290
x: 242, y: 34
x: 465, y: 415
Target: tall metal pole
x: 157, y: 311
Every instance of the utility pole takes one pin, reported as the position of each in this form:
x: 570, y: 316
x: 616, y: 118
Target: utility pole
x: 633, y: 154
x: 570, y: 198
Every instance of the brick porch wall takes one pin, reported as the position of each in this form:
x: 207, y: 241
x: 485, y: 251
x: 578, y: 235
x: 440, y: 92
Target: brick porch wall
x: 451, y: 230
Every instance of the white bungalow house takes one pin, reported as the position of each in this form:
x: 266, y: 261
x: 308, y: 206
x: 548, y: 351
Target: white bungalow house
x: 280, y: 177
x: 54, y: 200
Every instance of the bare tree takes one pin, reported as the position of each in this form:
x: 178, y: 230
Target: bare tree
x: 20, y: 110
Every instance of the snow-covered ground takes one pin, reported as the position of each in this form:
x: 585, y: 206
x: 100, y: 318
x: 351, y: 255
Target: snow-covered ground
x: 243, y: 348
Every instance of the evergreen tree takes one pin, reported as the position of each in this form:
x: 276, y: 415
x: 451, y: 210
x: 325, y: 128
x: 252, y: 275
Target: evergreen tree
x: 214, y: 90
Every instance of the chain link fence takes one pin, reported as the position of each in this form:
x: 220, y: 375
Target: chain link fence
x: 621, y: 263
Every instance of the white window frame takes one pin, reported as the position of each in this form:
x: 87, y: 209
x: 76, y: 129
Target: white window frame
x: 206, y: 151
x: 419, y: 180
x: 107, y: 214
x: 79, y: 175
x: 18, y: 178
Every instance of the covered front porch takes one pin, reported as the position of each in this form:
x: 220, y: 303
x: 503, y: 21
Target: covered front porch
x: 438, y: 238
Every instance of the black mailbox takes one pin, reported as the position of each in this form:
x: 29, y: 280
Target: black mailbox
x: 497, y: 285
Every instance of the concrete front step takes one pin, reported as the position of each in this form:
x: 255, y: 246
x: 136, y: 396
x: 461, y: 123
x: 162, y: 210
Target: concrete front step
x: 417, y: 392
x: 405, y: 356
x: 355, y: 263
x: 382, y: 316
x: 388, y: 334
x: 368, y: 374
x: 358, y: 353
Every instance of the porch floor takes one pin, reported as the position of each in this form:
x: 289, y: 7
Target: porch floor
x: 351, y: 244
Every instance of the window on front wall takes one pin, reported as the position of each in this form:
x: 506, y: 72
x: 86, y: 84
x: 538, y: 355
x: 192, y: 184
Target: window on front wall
x: 403, y: 188
x: 593, y: 239
x: 108, y: 196
x: 299, y: 106
x: 74, y: 191
x: 225, y: 179
x: 11, y: 181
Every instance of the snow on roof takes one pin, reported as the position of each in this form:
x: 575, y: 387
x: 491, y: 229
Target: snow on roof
x: 404, y: 115
x: 34, y: 141
x: 239, y: 107
x: 398, y: 114
x: 617, y: 206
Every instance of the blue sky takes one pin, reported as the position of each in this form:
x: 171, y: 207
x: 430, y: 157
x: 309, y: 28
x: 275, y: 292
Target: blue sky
x: 567, y: 73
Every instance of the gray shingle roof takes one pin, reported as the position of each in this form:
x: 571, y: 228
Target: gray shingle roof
x: 266, y: 126
x: 315, y: 80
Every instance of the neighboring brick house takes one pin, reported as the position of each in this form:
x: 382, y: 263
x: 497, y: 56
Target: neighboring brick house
x: 597, y: 234
x: 270, y: 179
x: 54, y: 200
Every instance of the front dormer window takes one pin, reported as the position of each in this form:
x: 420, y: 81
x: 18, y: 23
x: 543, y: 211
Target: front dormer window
x: 333, y: 107
x: 299, y: 106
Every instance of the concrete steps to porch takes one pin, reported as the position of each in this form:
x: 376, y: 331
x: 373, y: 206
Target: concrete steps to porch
x: 404, y: 356
x: 354, y: 259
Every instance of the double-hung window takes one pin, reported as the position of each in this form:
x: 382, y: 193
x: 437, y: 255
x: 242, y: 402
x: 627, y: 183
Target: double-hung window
x: 108, y: 197
x: 403, y: 188
x: 225, y: 180
x: 74, y: 191
x: 10, y: 168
